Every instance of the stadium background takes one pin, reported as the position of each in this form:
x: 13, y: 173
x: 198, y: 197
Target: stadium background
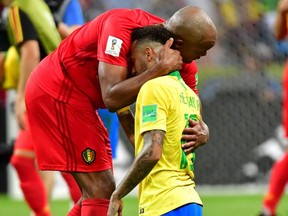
x: 240, y: 86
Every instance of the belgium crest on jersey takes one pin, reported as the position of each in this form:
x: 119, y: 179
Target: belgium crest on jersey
x: 88, y: 155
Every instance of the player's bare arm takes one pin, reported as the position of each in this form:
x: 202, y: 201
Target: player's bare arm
x: 30, y: 57
x: 126, y: 120
x: 118, y: 91
x: 65, y: 30
x: 141, y: 167
x: 144, y: 163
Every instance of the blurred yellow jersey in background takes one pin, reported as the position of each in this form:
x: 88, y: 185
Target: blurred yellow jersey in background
x: 11, y: 69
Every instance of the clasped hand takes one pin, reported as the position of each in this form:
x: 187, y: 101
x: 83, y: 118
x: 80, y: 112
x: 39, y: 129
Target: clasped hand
x: 195, y: 136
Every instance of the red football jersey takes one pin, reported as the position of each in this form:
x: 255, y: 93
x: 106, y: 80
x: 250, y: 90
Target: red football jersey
x: 73, y: 66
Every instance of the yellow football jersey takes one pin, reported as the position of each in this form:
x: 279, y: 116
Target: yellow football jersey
x: 166, y: 103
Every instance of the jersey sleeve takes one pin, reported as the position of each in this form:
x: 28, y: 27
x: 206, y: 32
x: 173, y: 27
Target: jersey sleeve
x: 4, y: 45
x: 115, y: 42
x: 20, y: 26
x: 153, y: 103
x: 189, y: 74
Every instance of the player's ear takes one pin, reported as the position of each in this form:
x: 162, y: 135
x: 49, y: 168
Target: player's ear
x: 178, y: 43
x: 149, y: 54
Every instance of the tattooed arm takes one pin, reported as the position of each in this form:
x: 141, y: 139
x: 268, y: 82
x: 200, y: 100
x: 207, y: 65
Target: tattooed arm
x: 141, y: 167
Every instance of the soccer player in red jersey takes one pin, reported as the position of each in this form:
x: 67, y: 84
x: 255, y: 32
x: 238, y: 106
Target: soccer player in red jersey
x: 90, y: 70
x: 33, y: 43
x: 279, y: 171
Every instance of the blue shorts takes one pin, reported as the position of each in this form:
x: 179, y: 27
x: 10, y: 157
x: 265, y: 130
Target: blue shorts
x: 191, y: 209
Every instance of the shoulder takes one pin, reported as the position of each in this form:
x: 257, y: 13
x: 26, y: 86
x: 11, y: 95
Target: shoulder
x: 160, y: 84
x: 158, y: 81
x: 121, y: 13
x: 152, y: 19
x: 118, y: 21
x: 133, y: 17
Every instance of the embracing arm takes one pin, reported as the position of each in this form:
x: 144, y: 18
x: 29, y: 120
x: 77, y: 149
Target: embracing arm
x: 141, y: 167
x: 118, y: 91
x: 196, y: 135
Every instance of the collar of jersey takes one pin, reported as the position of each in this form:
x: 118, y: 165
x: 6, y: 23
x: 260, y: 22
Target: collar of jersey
x: 176, y: 74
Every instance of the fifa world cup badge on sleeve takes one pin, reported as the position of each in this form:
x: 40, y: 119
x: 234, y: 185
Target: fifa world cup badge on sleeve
x: 149, y: 113
x: 113, y: 46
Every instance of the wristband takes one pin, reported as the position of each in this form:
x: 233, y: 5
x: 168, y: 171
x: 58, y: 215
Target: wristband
x: 123, y: 110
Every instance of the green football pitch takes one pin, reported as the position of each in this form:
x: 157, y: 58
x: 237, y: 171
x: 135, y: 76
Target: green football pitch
x: 236, y: 205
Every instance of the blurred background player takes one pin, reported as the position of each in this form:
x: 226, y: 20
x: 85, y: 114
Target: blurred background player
x: 279, y: 172
x: 24, y: 36
x: 67, y: 14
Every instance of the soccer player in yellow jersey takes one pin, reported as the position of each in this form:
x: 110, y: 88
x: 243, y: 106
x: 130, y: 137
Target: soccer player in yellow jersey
x: 163, y: 107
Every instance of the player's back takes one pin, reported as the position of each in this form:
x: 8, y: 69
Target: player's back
x: 106, y: 38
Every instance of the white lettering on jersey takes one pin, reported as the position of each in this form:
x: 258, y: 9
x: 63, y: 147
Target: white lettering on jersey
x: 113, y: 46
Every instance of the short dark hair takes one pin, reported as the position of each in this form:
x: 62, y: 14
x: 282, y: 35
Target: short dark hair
x: 155, y: 33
